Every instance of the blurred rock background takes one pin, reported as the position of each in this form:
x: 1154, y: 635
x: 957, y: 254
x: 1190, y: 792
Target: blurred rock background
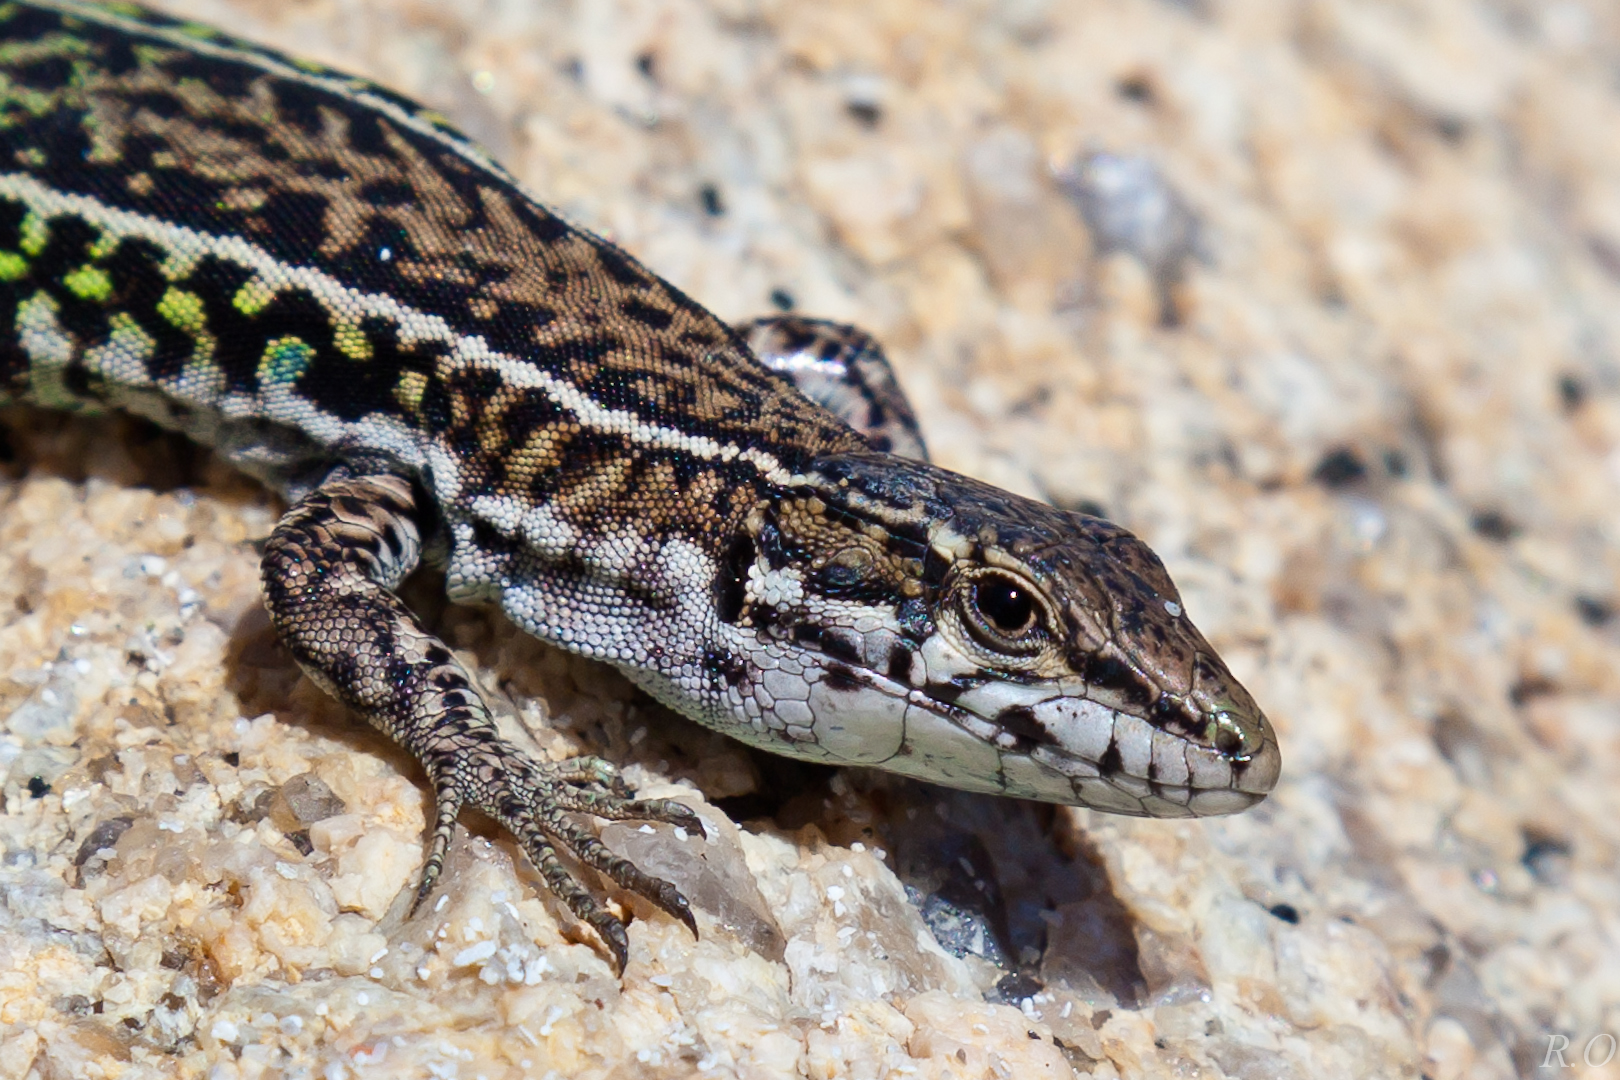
x: 1320, y: 297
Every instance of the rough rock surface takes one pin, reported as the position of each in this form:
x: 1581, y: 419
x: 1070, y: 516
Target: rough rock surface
x: 1320, y: 297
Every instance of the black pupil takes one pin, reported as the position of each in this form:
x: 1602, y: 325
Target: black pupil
x: 1007, y: 605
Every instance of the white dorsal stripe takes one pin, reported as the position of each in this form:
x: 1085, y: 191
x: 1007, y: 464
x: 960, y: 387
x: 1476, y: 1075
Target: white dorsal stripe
x: 469, y: 351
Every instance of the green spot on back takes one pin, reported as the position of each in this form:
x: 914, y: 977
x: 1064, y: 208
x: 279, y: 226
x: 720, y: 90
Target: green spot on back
x: 284, y: 362
x: 409, y: 391
x: 89, y: 283
x: 152, y: 55
x: 19, y: 103
x: 253, y: 297
x: 12, y: 266
x: 49, y: 45
x: 35, y: 234
x: 183, y: 310
x: 352, y: 342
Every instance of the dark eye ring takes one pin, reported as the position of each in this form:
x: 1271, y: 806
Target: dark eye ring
x: 1004, y: 605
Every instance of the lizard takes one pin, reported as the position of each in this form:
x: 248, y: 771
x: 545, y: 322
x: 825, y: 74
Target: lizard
x: 346, y: 298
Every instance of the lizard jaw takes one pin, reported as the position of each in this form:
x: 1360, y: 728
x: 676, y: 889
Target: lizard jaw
x: 1039, y: 742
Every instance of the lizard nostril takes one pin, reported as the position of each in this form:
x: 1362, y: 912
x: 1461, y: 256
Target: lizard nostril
x: 1225, y: 735
x: 1233, y: 738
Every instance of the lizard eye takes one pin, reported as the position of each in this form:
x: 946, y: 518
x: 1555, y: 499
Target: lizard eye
x: 1006, y: 604
x: 1002, y: 611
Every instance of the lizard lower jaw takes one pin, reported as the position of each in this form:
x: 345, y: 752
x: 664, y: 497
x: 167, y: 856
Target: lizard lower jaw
x: 1123, y: 793
x: 1132, y: 768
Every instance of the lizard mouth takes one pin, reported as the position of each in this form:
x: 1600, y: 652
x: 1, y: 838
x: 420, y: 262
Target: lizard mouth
x: 1065, y: 750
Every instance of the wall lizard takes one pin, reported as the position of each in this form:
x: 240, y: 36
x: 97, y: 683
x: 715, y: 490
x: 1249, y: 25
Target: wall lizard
x: 347, y: 299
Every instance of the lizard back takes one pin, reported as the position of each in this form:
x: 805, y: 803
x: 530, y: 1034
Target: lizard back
x: 297, y: 267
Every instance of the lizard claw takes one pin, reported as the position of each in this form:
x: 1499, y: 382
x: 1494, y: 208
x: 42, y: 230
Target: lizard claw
x: 447, y: 802
x: 535, y: 801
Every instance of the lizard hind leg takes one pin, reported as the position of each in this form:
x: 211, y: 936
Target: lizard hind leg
x: 843, y: 369
x: 330, y: 569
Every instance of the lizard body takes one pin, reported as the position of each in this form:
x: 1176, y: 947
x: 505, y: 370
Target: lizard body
x: 344, y: 297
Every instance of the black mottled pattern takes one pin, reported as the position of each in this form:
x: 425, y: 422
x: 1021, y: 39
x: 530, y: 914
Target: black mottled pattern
x: 391, y: 205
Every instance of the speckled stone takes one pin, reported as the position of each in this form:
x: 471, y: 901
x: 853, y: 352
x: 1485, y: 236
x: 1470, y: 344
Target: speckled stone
x: 1320, y: 298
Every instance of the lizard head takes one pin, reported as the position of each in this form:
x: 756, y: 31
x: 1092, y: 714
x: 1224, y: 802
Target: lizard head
x: 894, y: 614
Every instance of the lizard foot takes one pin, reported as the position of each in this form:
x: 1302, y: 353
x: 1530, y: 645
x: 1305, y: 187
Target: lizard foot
x: 536, y: 802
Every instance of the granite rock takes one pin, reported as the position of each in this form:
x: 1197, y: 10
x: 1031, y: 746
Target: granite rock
x: 1320, y: 297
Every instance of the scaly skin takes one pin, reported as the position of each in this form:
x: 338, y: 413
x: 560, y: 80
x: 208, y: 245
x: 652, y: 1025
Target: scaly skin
x: 344, y: 297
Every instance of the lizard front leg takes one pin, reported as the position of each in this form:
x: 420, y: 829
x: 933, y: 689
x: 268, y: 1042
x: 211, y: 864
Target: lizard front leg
x: 330, y: 568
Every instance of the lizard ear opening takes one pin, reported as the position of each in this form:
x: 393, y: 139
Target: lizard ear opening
x: 731, y: 580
